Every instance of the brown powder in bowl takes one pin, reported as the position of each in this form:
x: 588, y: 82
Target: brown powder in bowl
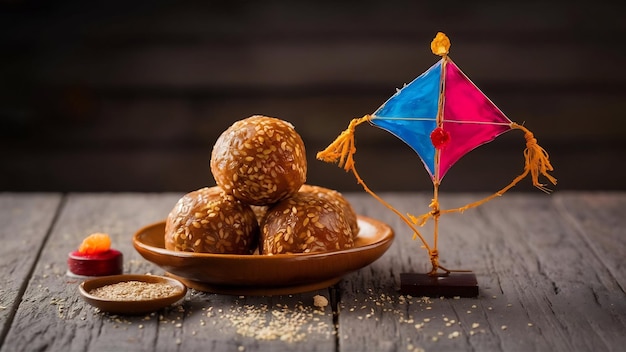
x: 134, y: 291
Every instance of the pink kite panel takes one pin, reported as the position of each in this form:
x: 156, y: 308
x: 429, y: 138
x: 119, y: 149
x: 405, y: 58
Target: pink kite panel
x: 469, y: 117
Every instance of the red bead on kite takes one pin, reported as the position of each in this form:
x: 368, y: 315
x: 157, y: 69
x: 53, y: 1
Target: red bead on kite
x: 439, y: 137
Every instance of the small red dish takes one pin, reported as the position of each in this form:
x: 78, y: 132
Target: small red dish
x: 110, y: 262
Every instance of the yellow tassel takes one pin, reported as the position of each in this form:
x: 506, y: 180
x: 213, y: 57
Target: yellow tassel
x: 341, y: 151
x: 537, y: 160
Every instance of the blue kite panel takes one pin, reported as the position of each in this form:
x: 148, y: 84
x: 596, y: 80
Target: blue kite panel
x: 411, y: 114
x: 418, y: 99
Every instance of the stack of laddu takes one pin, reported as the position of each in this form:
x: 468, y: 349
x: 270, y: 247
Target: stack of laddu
x: 261, y: 201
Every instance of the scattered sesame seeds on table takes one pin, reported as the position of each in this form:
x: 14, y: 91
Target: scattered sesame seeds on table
x: 549, y: 269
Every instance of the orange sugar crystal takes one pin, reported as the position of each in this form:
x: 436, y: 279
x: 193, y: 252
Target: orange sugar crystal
x: 95, y: 243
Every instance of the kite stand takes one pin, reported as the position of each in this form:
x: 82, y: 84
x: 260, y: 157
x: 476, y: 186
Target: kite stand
x: 446, y: 285
x: 450, y: 283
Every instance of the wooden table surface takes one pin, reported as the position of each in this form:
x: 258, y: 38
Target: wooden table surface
x: 550, y: 270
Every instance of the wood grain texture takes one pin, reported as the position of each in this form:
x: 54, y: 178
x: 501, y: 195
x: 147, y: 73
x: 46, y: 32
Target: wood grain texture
x: 599, y: 219
x: 542, y: 287
x: 26, y: 220
x: 53, y: 317
x: 549, y: 269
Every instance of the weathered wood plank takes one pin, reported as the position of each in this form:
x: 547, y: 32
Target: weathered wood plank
x: 566, y: 284
x: 25, y: 220
x: 53, y: 317
x: 549, y: 268
x: 599, y: 218
x: 542, y: 288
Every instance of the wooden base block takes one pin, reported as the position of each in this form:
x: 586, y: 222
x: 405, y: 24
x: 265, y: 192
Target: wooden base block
x: 452, y: 285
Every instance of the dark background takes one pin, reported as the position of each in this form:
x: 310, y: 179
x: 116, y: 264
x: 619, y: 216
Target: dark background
x: 131, y: 95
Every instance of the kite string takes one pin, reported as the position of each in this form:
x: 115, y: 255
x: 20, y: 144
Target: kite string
x: 341, y: 151
x: 422, y: 219
x: 536, y: 161
x: 416, y: 233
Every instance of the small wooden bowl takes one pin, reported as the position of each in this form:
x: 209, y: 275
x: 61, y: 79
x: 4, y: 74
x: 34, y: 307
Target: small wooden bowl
x: 266, y: 275
x: 130, y: 307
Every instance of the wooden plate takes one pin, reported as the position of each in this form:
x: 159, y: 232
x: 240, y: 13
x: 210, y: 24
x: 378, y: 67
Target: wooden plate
x: 130, y: 306
x: 262, y: 274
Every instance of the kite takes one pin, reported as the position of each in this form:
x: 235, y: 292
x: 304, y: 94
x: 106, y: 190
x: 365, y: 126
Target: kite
x: 442, y: 116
